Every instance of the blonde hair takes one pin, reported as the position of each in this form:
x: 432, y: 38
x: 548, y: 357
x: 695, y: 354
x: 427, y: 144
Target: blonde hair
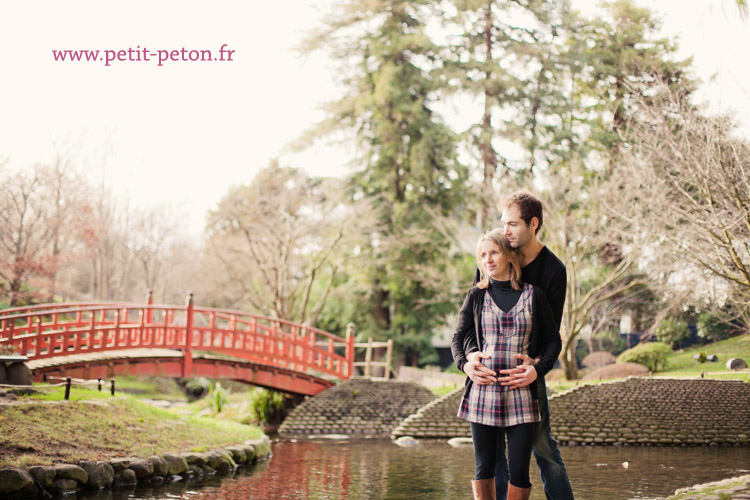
x: 496, y: 236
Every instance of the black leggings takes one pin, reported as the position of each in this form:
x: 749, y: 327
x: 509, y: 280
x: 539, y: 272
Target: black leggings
x: 489, y: 447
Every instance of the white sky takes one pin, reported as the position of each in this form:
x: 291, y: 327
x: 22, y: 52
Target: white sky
x: 183, y: 133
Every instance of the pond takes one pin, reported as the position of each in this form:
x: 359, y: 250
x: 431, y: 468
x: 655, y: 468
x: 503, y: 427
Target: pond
x: 380, y: 470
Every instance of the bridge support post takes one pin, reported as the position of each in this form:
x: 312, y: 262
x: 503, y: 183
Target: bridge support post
x: 187, y: 360
x: 149, y: 311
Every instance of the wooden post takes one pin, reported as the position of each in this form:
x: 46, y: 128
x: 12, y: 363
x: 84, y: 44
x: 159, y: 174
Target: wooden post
x: 112, y: 387
x: 368, y: 358
x: 99, y: 384
x: 187, y: 360
x: 350, y: 349
x: 67, y: 388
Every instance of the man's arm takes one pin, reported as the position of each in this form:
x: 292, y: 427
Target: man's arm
x: 556, y: 294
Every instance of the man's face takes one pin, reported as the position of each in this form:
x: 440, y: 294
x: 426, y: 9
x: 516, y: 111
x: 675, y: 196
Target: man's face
x: 515, y: 229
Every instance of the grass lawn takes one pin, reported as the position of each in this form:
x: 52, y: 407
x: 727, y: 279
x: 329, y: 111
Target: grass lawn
x: 682, y: 364
x: 150, y: 387
x: 40, y: 430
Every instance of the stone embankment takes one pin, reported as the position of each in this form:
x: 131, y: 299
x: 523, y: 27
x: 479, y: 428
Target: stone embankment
x: 66, y: 479
x: 636, y: 411
x: 359, y: 406
x: 437, y: 419
x: 649, y: 411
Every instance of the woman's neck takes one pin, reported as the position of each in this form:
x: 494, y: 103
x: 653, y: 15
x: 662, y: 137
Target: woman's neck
x: 502, y: 276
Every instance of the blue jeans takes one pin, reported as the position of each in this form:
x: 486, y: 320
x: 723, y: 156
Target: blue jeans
x: 548, y: 458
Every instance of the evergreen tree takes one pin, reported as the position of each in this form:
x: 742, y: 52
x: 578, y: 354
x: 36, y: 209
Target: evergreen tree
x: 500, y: 56
x: 408, y: 162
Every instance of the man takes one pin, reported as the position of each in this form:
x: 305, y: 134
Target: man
x: 522, y: 217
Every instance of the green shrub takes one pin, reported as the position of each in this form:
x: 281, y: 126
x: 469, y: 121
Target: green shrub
x: 197, y: 387
x: 267, y: 406
x: 652, y: 355
x: 672, y: 331
x: 713, y: 326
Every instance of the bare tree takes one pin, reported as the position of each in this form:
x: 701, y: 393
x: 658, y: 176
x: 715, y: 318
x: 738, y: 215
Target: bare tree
x: 278, y: 241
x: 602, y: 265
x: 25, y: 231
x: 686, y: 176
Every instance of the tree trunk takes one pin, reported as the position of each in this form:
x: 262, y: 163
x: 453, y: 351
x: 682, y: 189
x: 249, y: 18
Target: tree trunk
x: 489, y: 160
x: 568, y: 360
x: 382, y: 309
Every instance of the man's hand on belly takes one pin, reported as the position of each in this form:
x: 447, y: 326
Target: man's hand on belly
x: 477, y: 372
x: 520, y: 376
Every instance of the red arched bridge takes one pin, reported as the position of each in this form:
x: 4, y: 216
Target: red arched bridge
x: 103, y: 339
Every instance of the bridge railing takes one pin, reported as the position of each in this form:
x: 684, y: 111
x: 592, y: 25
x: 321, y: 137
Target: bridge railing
x: 53, y: 330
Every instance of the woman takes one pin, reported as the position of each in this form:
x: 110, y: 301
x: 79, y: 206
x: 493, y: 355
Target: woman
x: 500, y: 327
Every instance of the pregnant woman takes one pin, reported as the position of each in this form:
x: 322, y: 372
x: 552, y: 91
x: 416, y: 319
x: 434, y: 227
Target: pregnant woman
x: 502, y: 322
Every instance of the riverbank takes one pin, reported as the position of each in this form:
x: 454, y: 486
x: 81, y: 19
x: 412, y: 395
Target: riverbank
x: 117, y: 440
x: 736, y: 488
x: 41, y: 429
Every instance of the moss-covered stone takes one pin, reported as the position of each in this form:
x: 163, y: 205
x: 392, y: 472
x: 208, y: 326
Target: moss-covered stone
x: 16, y: 483
x: 161, y: 467
x: 125, y: 477
x: 70, y: 471
x: 63, y: 486
x: 43, y: 474
x: 101, y: 474
x: 142, y: 468
x: 175, y: 464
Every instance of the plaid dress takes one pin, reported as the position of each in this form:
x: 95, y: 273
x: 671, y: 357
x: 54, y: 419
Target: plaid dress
x: 505, y: 334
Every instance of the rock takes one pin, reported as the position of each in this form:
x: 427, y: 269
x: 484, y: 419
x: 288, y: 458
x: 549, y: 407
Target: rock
x: 213, y: 459
x: 406, y: 441
x: 44, y: 475
x: 175, y: 463
x: 461, y: 441
x: 227, y: 463
x: 64, y: 486
x: 249, y: 452
x: 262, y: 447
x: 161, y: 467
x: 198, y: 459
x: 736, y: 364
x: 70, y: 471
x: 125, y: 477
x: 18, y: 374
x: 196, y: 470
x: 16, y: 483
x: 238, y: 454
x: 120, y: 464
x: 155, y: 480
x: 101, y: 474
x: 142, y: 468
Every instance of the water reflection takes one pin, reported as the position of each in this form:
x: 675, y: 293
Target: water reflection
x: 380, y: 470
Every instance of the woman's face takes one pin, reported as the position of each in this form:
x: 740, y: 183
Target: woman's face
x: 493, y: 261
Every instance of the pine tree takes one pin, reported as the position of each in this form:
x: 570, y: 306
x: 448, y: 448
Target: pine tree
x: 408, y: 161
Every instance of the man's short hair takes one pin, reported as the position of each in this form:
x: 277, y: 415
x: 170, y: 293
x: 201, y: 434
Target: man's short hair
x: 529, y: 205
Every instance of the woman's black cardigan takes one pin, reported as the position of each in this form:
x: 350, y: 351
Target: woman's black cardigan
x: 545, y: 343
